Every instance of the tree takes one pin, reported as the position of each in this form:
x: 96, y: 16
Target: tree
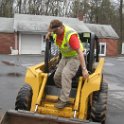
x: 6, y: 8
x: 121, y: 23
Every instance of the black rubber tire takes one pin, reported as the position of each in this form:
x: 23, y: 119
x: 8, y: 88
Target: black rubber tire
x: 99, y: 104
x: 24, y: 98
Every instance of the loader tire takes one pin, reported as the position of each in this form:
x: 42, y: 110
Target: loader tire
x: 24, y: 98
x: 99, y: 104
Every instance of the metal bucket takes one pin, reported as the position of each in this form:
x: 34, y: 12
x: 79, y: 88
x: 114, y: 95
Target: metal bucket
x: 26, y: 117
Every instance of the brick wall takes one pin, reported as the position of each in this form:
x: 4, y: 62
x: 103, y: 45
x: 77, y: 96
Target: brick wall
x: 6, y: 40
x: 111, y: 46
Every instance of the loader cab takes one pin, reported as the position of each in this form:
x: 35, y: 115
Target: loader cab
x: 91, y: 49
x: 91, y: 52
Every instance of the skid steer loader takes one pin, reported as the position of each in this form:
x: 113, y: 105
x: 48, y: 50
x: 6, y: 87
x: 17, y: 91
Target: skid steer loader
x: 35, y: 100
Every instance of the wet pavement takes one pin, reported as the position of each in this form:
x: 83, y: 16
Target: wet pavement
x: 114, y: 76
x: 12, y: 72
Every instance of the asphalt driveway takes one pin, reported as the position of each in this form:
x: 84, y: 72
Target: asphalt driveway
x: 114, y: 76
x: 12, y: 72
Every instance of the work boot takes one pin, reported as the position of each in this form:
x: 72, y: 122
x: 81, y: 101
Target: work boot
x: 60, y: 104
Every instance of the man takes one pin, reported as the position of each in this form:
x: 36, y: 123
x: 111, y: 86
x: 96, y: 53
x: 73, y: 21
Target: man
x: 71, y: 49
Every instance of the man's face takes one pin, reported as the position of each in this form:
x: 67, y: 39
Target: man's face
x: 58, y: 30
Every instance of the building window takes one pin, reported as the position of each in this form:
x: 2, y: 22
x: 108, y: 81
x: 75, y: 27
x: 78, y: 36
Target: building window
x: 102, y: 49
x: 122, y: 48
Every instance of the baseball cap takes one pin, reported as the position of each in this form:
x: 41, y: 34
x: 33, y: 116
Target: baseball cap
x: 54, y: 24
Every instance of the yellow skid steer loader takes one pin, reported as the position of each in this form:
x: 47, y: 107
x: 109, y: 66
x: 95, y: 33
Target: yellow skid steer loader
x: 88, y: 98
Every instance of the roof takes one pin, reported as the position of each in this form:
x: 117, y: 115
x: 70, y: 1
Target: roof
x: 6, y: 25
x: 40, y: 23
x: 103, y: 31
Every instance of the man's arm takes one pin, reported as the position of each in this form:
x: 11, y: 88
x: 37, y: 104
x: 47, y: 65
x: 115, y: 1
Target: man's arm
x: 82, y: 62
x: 75, y: 45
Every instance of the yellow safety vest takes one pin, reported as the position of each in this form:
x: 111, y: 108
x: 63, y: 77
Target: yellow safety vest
x: 65, y: 48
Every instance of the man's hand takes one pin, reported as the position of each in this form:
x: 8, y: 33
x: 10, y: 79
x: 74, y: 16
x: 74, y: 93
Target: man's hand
x: 85, y: 73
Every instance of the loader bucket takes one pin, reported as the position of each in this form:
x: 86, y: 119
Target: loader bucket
x: 25, y: 117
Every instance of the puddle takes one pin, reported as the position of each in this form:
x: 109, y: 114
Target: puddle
x: 8, y: 63
x: 13, y: 64
x: 11, y: 74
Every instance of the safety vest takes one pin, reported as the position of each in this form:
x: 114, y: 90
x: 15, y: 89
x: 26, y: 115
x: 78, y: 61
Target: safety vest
x: 65, y: 48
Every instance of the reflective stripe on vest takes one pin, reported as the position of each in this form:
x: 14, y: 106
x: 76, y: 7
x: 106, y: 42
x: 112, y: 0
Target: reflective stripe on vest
x: 65, y: 48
